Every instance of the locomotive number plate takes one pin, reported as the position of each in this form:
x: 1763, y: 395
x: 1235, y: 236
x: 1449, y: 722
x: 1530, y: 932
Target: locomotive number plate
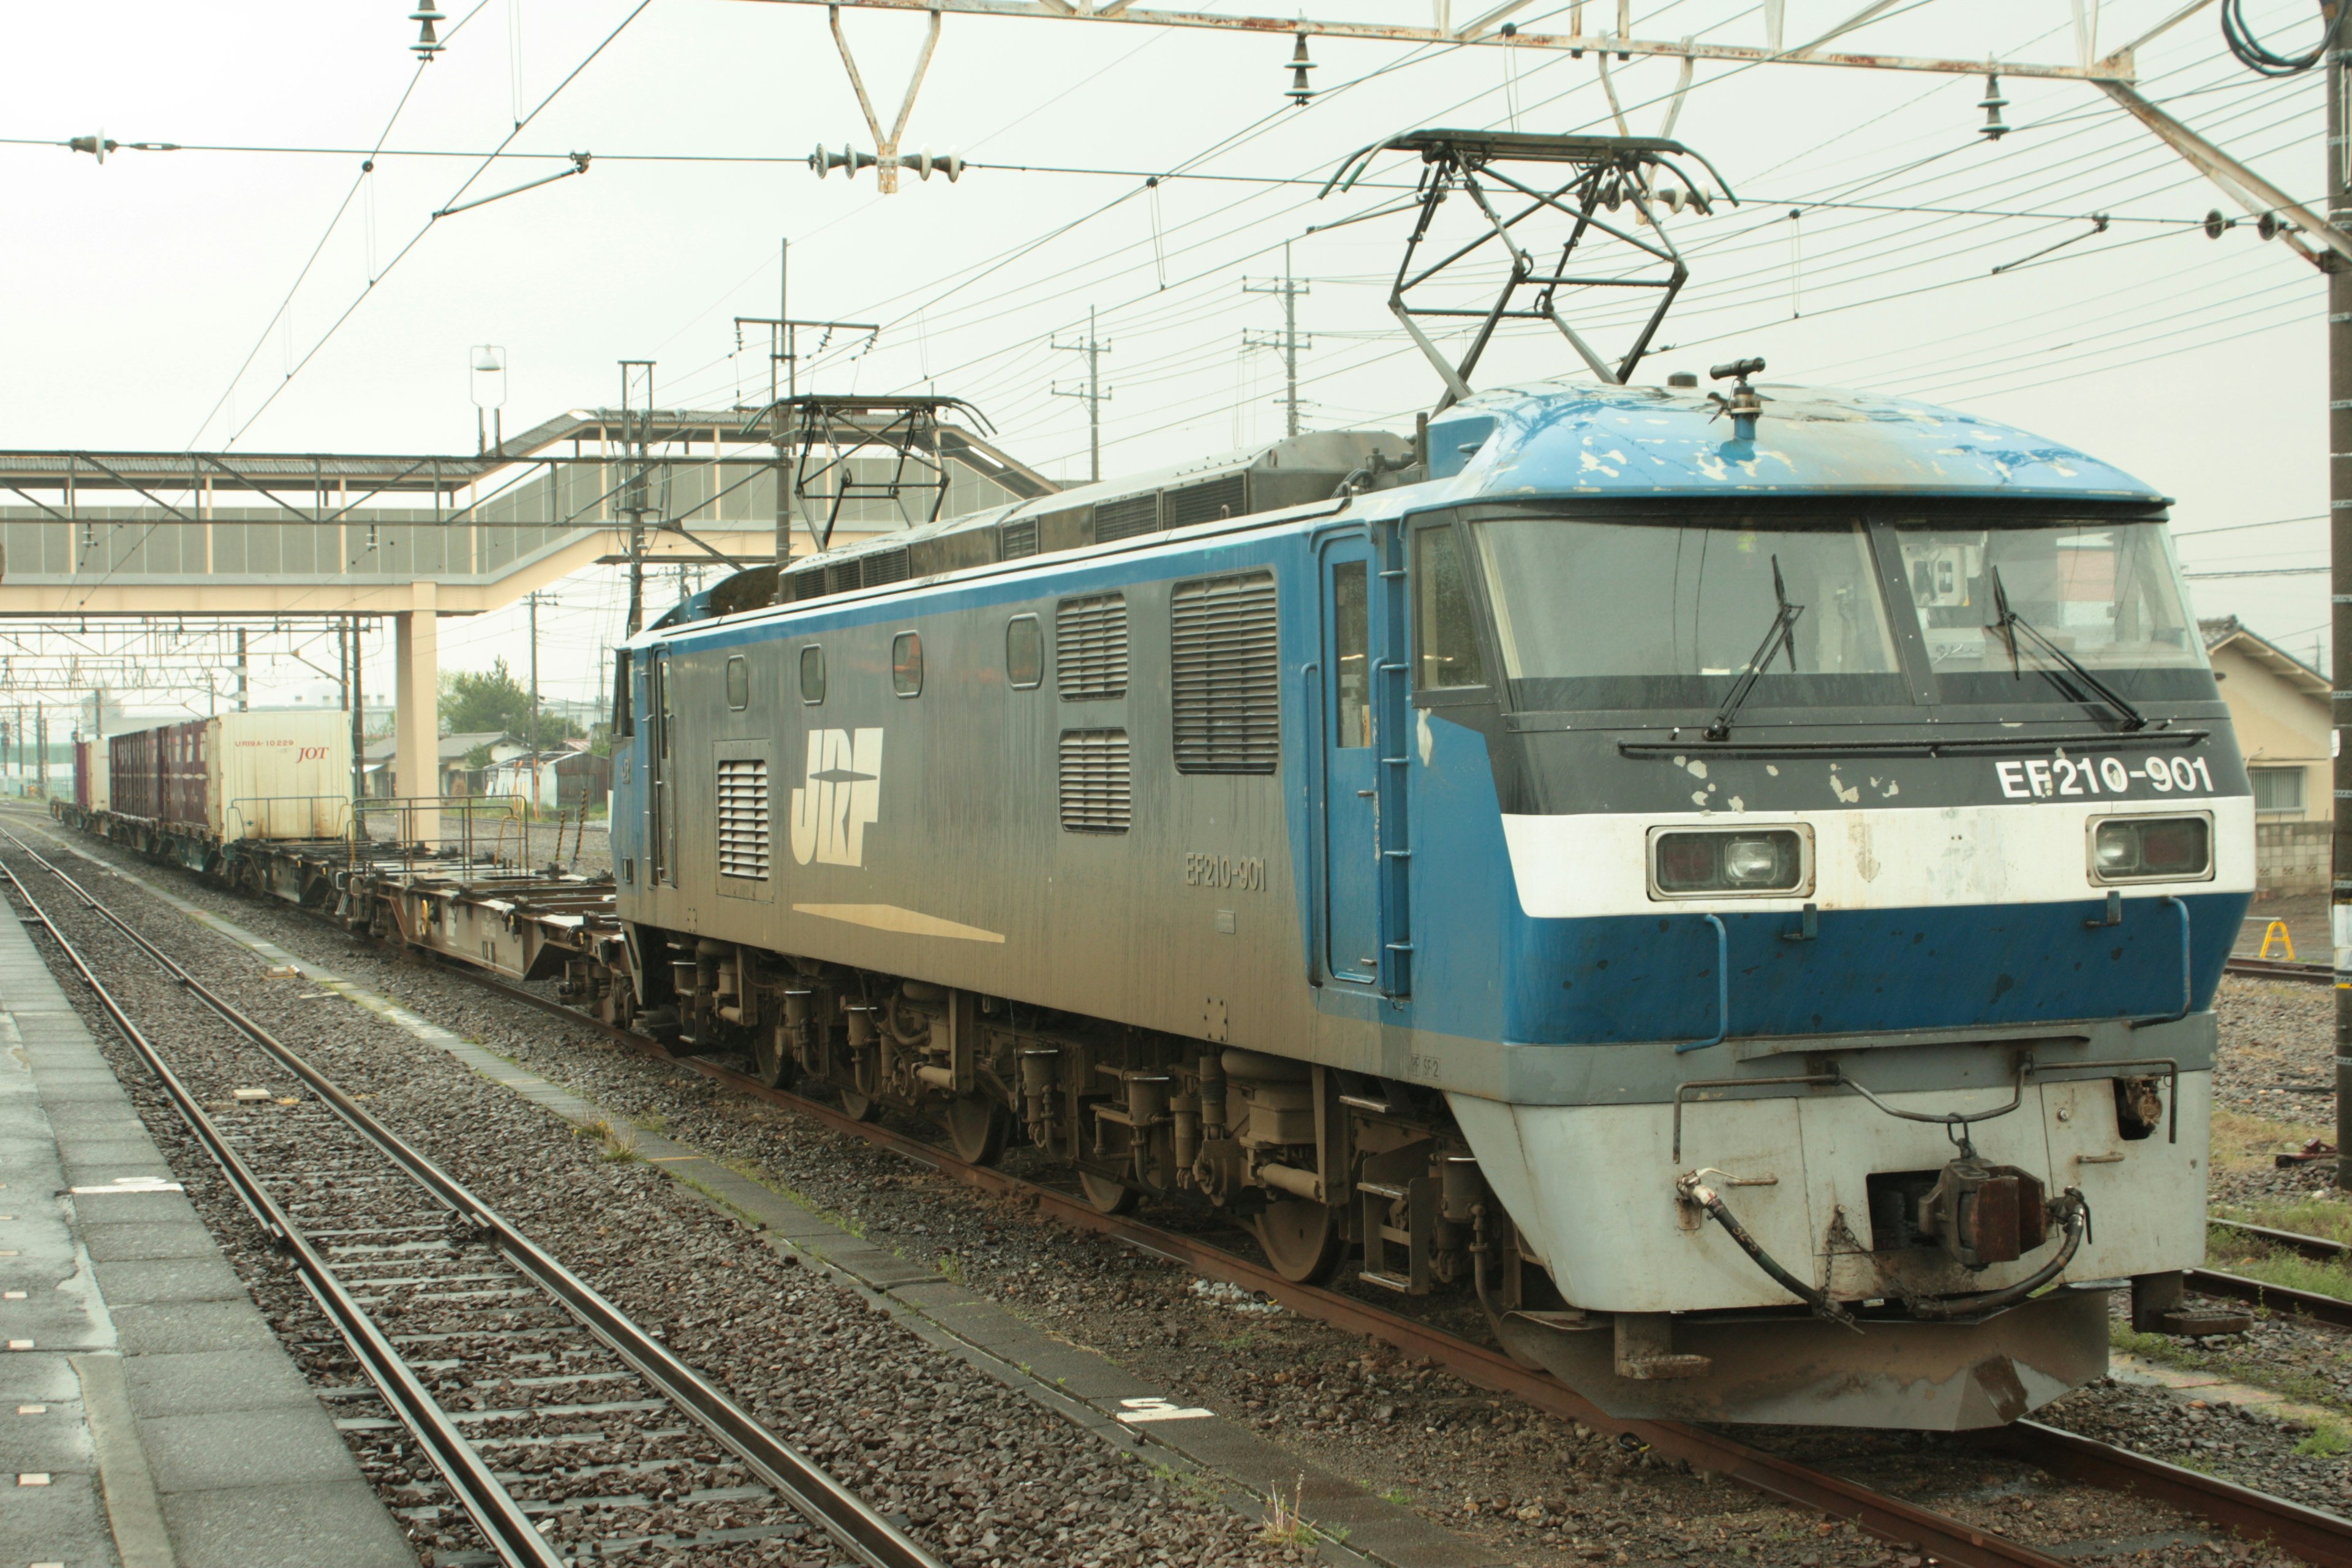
x: 2038, y: 778
x: 1247, y: 872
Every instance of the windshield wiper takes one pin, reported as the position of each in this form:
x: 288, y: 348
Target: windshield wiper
x: 1781, y: 631
x: 2010, y: 622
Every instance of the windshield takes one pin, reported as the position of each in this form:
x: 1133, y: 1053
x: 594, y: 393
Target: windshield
x: 2107, y: 593
x: 1600, y: 612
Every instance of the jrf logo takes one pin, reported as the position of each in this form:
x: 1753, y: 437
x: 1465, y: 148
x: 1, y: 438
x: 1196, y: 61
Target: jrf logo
x: 842, y: 797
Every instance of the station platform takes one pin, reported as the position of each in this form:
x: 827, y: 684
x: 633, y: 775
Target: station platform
x: 149, y: 1416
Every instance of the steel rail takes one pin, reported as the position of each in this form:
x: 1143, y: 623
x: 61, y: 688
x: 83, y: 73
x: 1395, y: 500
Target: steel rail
x: 2322, y: 1538
x: 2317, y: 1247
x: 2286, y: 1298
x: 854, y: 1525
x: 468, y: 1476
x: 2310, y: 1304
x: 2280, y: 968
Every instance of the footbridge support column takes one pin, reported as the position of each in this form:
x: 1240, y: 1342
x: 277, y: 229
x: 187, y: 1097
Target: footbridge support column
x: 416, y: 724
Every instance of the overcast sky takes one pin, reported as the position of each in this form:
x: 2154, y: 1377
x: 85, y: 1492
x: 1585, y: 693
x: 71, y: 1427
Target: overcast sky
x: 135, y: 291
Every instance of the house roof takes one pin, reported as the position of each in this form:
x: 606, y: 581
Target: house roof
x: 2228, y: 632
x: 452, y: 747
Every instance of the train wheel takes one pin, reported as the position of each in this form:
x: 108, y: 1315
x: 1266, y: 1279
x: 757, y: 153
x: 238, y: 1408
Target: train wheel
x: 977, y: 1127
x: 859, y: 1106
x: 1301, y: 1238
x: 771, y: 1062
x: 1106, y: 1195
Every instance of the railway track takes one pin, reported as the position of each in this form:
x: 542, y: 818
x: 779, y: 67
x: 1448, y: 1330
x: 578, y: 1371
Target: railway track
x: 2280, y: 1298
x: 583, y: 1435
x: 2281, y: 969
x: 2317, y: 1537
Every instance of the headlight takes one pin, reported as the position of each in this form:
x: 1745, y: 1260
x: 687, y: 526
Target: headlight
x: 1759, y: 862
x: 1735, y: 861
x: 2152, y: 848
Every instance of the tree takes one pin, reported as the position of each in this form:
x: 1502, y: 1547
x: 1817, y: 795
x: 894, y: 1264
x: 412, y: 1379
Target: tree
x: 475, y: 701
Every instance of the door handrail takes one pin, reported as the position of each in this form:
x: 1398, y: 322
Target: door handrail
x: 1722, y: 989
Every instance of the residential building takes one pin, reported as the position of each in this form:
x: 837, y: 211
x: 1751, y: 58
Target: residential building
x: 2279, y: 707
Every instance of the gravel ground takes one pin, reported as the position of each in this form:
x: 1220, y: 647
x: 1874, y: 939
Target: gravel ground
x: 979, y: 1475
x: 1537, y: 1490
x: 2278, y: 1042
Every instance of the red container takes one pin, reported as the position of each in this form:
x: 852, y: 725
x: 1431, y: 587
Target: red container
x: 135, y: 764
x: 183, y: 771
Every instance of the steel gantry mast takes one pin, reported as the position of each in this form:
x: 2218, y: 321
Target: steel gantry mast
x: 2339, y: 530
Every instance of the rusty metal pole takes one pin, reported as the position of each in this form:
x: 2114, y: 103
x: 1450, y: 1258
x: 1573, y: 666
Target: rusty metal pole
x: 2339, y: 505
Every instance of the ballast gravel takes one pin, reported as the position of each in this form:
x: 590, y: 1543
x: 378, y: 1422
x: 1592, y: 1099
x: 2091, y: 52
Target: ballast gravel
x: 976, y: 1472
x: 1532, y: 1488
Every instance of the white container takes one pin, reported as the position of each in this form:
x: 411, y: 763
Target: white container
x: 278, y: 775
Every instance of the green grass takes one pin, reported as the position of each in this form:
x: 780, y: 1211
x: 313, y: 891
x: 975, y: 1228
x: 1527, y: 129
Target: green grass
x: 2329, y: 1440
x: 2291, y: 1269
x: 2255, y: 1259
x: 2330, y: 1217
x: 951, y: 1269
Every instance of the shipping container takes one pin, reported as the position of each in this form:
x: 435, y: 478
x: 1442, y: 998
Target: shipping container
x: 238, y: 775
x: 135, y: 775
x: 278, y: 775
x: 90, y: 775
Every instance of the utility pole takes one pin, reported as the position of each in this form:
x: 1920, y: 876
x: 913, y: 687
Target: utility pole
x: 1289, y: 343
x: 633, y: 431
x: 240, y: 669
x: 1094, y: 348
x: 41, y: 748
x: 2339, y: 506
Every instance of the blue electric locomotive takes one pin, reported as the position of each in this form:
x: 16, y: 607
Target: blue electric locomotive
x: 1739, y: 885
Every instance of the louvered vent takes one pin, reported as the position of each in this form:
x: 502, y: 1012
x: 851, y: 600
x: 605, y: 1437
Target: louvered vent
x: 1226, y: 675
x: 1017, y: 539
x: 1096, y: 793
x: 1090, y: 646
x: 1228, y: 497
x: 743, y: 818
x: 884, y: 566
x: 1128, y: 518
x: 841, y: 577
x: 808, y: 585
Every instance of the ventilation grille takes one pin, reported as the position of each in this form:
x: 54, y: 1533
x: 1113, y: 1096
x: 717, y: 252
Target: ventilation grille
x: 1128, y: 518
x: 1226, y: 675
x: 1097, y: 793
x: 743, y: 818
x: 1090, y: 647
x: 841, y: 577
x: 884, y: 566
x: 1228, y: 497
x: 1017, y: 541
x: 808, y: 585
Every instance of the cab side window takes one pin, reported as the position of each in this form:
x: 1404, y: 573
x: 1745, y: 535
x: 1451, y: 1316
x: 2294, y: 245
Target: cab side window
x: 1445, y: 632
x: 813, y: 674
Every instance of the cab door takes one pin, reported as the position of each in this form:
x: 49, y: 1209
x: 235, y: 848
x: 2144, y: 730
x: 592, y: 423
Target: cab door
x: 1352, y: 825
x: 661, y: 815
